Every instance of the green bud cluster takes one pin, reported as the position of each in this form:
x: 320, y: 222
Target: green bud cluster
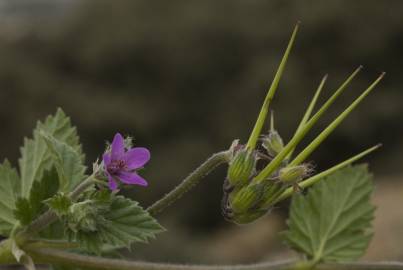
x: 85, y: 216
x: 252, y: 189
x: 245, y: 201
x: 82, y: 216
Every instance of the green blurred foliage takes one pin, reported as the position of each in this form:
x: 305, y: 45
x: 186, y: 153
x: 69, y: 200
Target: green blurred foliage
x: 187, y: 77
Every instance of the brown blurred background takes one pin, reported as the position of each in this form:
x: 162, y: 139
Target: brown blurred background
x: 187, y: 77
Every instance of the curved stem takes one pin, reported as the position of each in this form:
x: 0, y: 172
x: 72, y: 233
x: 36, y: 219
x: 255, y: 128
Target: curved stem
x: 60, y: 257
x: 6, y: 256
x: 189, y: 182
x: 71, y: 259
x: 56, y: 244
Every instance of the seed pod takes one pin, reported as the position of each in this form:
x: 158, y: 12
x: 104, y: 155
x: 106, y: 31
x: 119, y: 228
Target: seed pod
x: 294, y: 174
x: 241, y: 167
x: 273, y: 143
x: 249, y: 217
x: 245, y: 198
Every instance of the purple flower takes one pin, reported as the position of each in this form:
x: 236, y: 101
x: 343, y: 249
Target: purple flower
x: 121, y: 163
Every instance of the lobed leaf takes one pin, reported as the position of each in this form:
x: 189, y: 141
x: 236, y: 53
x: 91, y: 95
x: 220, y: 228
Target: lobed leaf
x: 332, y: 222
x: 68, y: 163
x: 27, y: 209
x: 9, y: 191
x: 120, y: 224
x: 35, y: 155
x: 129, y: 223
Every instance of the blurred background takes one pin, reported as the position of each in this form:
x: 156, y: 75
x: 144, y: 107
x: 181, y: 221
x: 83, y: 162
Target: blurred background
x: 185, y: 78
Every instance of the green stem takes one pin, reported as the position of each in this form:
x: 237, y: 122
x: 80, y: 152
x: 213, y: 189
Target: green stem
x: 56, y: 244
x: 189, y: 182
x: 59, y: 257
x: 6, y: 256
x: 82, y: 187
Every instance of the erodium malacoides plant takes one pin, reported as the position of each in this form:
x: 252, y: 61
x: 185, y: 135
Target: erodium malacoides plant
x: 56, y: 212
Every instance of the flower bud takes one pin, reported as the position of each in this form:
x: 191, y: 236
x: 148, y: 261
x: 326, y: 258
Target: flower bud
x: 241, y: 167
x: 294, y: 174
x: 246, y: 198
x: 273, y: 143
x: 249, y: 217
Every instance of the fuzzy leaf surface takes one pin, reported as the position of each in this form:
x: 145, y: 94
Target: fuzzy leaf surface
x: 128, y: 222
x: 35, y: 154
x: 27, y: 209
x: 68, y: 163
x: 9, y: 191
x: 332, y: 222
x: 116, y: 222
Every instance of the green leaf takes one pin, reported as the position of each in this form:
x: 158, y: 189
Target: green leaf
x: 128, y: 223
x: 35, y: 155
x: 332, y: 222
x: 110, y: 220
x: 68, y: 163
x: 27, y: 209
x: 9, y: 191
x: 23, y: 211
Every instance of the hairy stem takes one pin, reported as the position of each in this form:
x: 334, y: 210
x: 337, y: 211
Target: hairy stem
x: 91, y: 262
x: 56, y: 244
x: 6, y: 256
x: 189, y: 182
x: 59, y: 257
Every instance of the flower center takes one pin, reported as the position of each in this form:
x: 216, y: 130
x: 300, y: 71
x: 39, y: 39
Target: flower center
x: 116, y: 166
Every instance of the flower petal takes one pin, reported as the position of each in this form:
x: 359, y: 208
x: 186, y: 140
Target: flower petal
x: 107, y: 159
x: 136, y: 157
x: 132, y: 179
x: 117, y: 147
x: 112, y: 182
